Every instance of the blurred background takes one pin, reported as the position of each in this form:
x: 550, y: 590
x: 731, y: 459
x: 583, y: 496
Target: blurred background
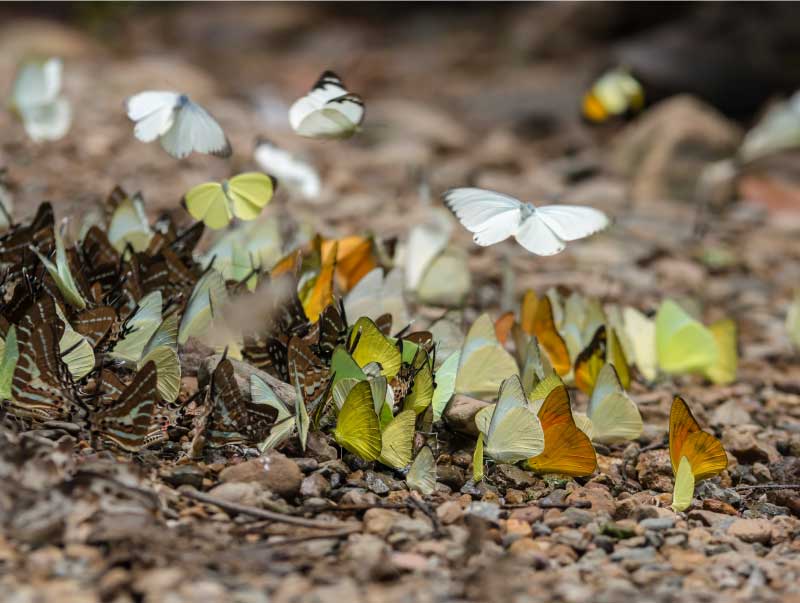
x: 488, y: 95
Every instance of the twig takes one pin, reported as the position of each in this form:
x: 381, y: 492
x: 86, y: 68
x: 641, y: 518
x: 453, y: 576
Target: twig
x: 429, y: 512
x: 354, y: 508
x: 255, y: 512
x: 578, y: 504
x: 322, y: 536
x: 769, y: 487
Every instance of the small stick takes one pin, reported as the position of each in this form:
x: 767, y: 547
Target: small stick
x: 578, y: 504
x: 354, y: 508
x: 322, y: 536
x: 256, y: 512
x: 769, y: 487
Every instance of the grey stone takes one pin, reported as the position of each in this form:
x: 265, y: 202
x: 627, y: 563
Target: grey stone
x: 658, y: 524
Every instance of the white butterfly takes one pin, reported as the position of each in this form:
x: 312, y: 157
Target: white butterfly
x: 37, y: 98
x: 295, y: 173
x: 328, y: 111
x: 493, y: 217
x: 181, y: 125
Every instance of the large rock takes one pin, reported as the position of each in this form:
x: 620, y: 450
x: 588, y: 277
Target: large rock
x: 273, y: 470
x: 665, y: 151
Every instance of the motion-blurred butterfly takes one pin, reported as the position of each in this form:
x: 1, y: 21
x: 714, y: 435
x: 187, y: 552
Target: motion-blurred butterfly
x: 181, y: 125
x: 328, y: 110
x: 493, y: 217
x: 37, y: 99
x: 297, y: 175
x: 616, y: 93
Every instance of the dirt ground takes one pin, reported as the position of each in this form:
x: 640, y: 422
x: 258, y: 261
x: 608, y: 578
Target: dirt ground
x: 455, y: 95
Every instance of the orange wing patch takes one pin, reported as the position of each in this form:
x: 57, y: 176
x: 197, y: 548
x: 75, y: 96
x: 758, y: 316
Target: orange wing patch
x: 704, y: 452
x: 567, y: 449
x: 544, y: 327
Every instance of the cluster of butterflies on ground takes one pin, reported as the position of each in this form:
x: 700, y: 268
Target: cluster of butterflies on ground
x: 91, y: 334
x: 91, y: 331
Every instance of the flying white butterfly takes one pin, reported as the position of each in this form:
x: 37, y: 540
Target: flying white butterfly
x: 328, y: 111
x: 295, y: 173
x: 37, y: 99
x: 493, y: 217
x: 181, y: 125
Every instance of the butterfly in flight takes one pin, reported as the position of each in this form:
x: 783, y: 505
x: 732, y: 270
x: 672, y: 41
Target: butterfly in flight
x: 328, y: 110
x: 181, y: 125
x: 493, y: 217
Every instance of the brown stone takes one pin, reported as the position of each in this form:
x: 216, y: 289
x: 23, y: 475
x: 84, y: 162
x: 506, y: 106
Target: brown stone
x: 751, y: 530
x: 597, y: 494
x: 273, y: 470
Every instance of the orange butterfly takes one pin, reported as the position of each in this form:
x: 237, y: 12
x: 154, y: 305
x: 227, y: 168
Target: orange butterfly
x: 567, y: 449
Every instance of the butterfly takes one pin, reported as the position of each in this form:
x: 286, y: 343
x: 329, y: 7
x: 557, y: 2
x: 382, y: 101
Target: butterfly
x: 310, y: 374
x: 445, y: 384
x: 512, y: 432
x: 62, y: 275
x: 243, y: 196
x: 421, y: 475
x: 127, y: 421
x: 296, y: 174
x: 604, y: 347
x: 493, y: 217
x: 40, y: 377
x: 181, y: 125
x: 612, y: 416
x: 695, y: 454
x: 615, y: 93
x: 208, y: 295
x: 420, y: 395
x: 641, y: 332
x: 357, y: 426
x: 16, y: 243
x: 567, y: 449
x: 367, y: 344
x: 375, y: 295
x: 285, y: 422
x: 128, y: 224
x: 317, y: 291
x: 426, y: 241
x: 355, y: 258
x: 483, y: 363
x: 685, y: 345
x: 397, y: 440
x: 543, y: 326
x: 37, y: 98
x: 327, y: 111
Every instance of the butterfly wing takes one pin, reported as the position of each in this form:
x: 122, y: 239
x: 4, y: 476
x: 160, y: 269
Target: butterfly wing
x: 49, y: 121
x: 208, y: 202
x: 397, y: 440
x: 681, y: 425
x: 567, y: 449
x: 368, y: 344
x: 723, y: 371
x: 445, y: 384
x: 296, y: 174
x: 683, y: 344
x: 705, y: 454
x: 572, y: 222
x: 484, y: 363
x: 641, y: 331
x: 168, y: 370
x: 491, y: 217
x: 249, y: 192
x: 544, y: 327
x: 154, y: 113
x: 357, y: 427
x: 195, y: 130
x: 422, y: 474
x: 684, y: 486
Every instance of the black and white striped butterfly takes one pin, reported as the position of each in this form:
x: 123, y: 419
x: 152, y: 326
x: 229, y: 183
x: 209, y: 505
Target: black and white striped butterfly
x: 328, y: 110
x: 181, y: 125
x: 493, y: 217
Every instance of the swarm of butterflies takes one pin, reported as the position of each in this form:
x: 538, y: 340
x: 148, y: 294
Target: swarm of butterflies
x: 91, y: 331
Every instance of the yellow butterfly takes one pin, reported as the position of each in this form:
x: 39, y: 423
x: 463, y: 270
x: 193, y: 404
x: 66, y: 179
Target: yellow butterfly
x: 695, y: 454
x: 367, y: 344
x: 567, y: 449
x: 484, y: 363
x: 397, y: 440
x: 243, y: 196
x: 611, y: 416
x: 422, y: 474
x: 357, y: 426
